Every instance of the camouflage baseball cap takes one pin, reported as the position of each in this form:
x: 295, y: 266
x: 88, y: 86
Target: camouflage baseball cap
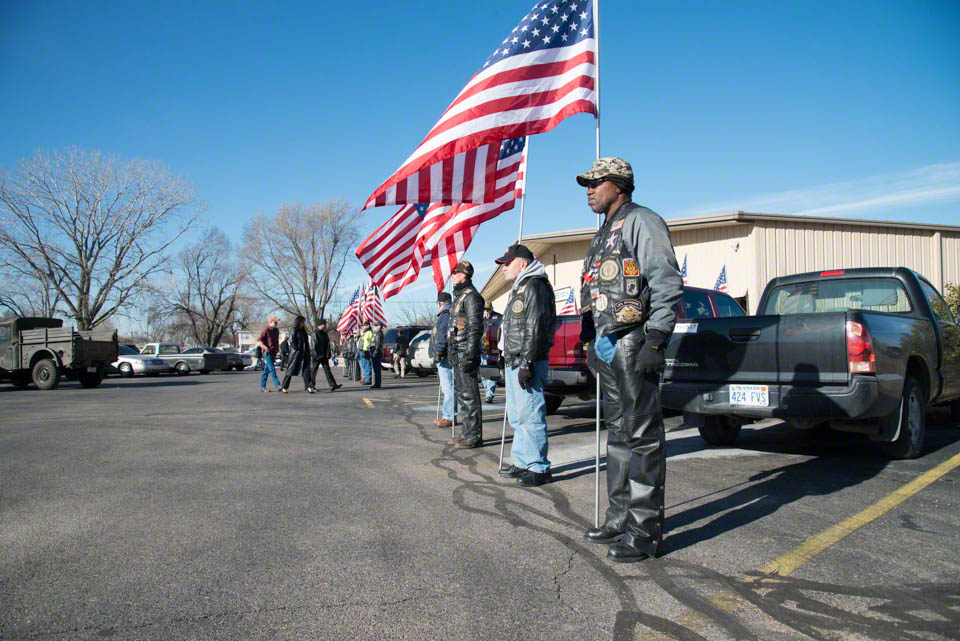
x: 604, y: 167
x: 464, y: 268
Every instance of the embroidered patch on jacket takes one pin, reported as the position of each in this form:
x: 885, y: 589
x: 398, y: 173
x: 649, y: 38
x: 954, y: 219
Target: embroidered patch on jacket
x: 628, y: 312
x: 461, y: 323
x: 600, y: 303
x: 630, y: 268
x: 632, y: 286
x: 613, y: 241
x: 617, y: 225
x: 609, y: 269
x: 517, y: 306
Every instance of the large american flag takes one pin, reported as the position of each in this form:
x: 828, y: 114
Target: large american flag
x: 371, y: 305
x: 437, y: 234
x: 721, y: 284
x: 542, y: 72
x: 351, y: 317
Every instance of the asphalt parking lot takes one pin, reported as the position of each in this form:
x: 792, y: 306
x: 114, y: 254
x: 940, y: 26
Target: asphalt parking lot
x: 199, y: 508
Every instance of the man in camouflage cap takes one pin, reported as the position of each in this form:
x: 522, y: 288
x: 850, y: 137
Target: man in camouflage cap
x: 630, y: 283
x: 464, y: 335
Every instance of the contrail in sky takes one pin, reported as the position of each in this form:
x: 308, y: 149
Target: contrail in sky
x: 923, y: 186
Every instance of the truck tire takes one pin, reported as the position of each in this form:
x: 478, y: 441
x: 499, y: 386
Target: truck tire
x: 90, y: 379
x: 126, y: 370
x: 910, y: 421
x: 182, y: 368
x: 45, y: 374
x: 20, y: 379
x: 718, y: 430
x: 553, y: 403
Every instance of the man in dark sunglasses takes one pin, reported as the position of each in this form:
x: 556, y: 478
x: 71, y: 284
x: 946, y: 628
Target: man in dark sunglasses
x: 629, y: 285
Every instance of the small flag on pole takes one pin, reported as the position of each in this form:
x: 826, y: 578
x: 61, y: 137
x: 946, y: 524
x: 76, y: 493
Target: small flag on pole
x: 570, y: 305
x: 351, y: 317
x: 683, y: 271
x: 371, y: 305
x: 721, y: 285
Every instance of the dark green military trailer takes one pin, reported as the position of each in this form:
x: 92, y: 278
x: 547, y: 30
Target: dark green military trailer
x: 43, y: 351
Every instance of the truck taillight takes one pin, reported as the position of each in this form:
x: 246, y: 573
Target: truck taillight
x: 860, y: 355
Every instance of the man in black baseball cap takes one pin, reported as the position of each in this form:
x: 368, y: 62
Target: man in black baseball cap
x: 526, y: 337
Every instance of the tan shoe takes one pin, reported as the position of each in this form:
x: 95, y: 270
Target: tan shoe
x: 442, y: 422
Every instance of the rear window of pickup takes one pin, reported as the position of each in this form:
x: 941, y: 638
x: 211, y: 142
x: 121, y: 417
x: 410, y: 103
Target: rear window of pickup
x: 839, y: 295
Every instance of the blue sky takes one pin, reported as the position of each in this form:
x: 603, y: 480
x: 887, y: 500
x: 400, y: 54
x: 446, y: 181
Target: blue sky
x: 849, y: 109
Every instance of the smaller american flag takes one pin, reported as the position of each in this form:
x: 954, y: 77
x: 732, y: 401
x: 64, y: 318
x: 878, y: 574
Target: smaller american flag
x: 570, y: 305
x: 371, y: 305
x: 721, y: 285
x: 351, y: 316
x: 683, y: 271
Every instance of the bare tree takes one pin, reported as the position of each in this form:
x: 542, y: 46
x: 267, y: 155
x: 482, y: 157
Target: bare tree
x: 208, y: 288
x: 93, y: 227
x: 296, y: 257
x: 416, y: 313
x: 22, y: 293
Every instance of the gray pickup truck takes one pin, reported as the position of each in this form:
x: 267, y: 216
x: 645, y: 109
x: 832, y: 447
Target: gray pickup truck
x: 860, y: 350
x: 42, y: 351
x: 183, y: 362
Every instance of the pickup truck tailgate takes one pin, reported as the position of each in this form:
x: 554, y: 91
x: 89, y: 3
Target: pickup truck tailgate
x: 795, y: 349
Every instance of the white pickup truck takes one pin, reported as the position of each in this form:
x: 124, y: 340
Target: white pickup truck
x: 182, y: 363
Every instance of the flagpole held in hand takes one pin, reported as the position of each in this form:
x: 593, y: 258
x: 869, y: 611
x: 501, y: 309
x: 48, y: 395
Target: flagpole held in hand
x: 596, y: 467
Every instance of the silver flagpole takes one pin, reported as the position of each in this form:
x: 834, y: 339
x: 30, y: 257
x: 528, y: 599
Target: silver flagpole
x: 523, y: 202
x: 596, y: 81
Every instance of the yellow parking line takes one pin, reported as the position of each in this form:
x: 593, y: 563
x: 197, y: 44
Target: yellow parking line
x: 813, y: 546
x: 368, y: 402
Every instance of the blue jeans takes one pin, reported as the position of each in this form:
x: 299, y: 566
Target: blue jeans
x: 489, y: 387
x: 527, y: 412
x: 365, y: 368
x: 445, y: 373
x: 269, y: 369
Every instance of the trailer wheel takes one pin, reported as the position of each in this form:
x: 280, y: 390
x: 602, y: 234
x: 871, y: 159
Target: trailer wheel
x: 45, y: 374
x: 911, y: 419
x: 91, y: 379
x: 718, y: 430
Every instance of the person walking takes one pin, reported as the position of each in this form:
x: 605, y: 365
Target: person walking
x: 489, y: 384
x: 322, y: 353
x: 463, y: 346
x: 526, y: 337
x: 299, y: 363
x: 400, y: 353
x: 376, y: 355
x: 365, y: 341
x: 630, y: 283
x: 269, y: 344
x: 438, y: 349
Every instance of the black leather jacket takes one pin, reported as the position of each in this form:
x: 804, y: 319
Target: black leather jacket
x: 466, y: 322
x: 321, y: 344
x: 529, y: 322
x: 376, y: 345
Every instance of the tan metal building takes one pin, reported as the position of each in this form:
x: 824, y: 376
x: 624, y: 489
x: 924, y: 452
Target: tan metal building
x: 753, y: 248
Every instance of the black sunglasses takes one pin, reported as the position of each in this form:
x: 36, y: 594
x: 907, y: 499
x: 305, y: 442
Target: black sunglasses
x: 596, y: 182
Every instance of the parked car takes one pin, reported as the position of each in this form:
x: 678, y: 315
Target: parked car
x: 42, y: 351
x: 234, y: 360
x: 421, y: 363
x: 568, y: 372
x: 183, y: 363
x: 390, y: 342
x: 861, y: 350
x: 131, y: 362
x: 246, y: 360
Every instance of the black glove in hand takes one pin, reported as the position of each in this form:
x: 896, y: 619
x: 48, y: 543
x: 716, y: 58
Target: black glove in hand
x: 524, y: 376
x: 588, y: 330
x: 650, y: 358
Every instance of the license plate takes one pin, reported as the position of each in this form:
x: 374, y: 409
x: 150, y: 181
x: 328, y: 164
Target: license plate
x: 750, y: 395
x: 91, y: 369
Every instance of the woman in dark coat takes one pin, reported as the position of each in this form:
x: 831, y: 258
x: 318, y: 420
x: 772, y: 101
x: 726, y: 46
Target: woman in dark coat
x: 299, y: 356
